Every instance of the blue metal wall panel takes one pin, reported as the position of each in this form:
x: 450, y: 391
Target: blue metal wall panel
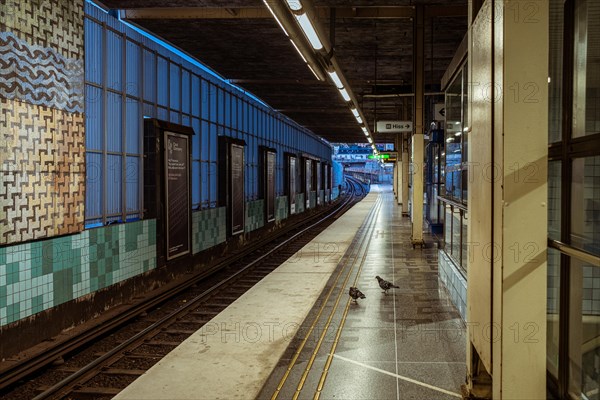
x: 93, y: 118
x: 133, y: 124
x: 195, y: 184
x: 163, y: 81
x: 175, y: 86
x: 114, y: 60
x: 93, y: 52
x: 114, y: 118
x: 132, y: 179
x: 196, y: 139
x: 204, y: 183
x: 185, y: 92
x: 114, y: 176
x: 195, y: 88
x: 133, y: 68
x: 149, y: 76
x: 94, y: 177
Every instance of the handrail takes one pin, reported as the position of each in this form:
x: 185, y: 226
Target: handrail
x: 582, y: 255
x: 453, y: 203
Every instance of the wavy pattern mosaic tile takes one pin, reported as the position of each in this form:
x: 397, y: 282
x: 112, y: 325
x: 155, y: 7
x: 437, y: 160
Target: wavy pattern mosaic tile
x: 39, y: 75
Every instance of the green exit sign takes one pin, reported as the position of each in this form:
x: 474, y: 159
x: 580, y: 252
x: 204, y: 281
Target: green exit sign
x: 379, y: 157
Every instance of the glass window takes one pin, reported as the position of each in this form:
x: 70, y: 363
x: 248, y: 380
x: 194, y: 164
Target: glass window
x: 554, y: 188
x: 555, y: 71
x: 586, y: 71
x: 585, y: 204
x: 584, y: 330
x: 553, y: 295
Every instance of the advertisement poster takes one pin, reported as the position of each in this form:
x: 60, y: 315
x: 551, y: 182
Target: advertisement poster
x: 177, y: 194
x: 270, y: 192
x: 237, y: 189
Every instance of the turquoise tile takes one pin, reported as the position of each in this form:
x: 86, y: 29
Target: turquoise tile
x: 36, y: 268
x: 12, y: 273
x: 37, y: 304
x: 13, y: 312
x: 47, y: 257
x: 2, y: 255
x: 2, y: 296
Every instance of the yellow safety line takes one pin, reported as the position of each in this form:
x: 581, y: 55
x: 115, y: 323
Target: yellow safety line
x: 340, y: 328
x: 314, y: 323
x: 333, y: 311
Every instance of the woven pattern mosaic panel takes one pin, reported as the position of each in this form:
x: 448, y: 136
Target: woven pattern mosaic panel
x: 42, y: 140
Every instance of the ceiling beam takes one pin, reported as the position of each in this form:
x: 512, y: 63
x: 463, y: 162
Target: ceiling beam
x: 366, y: 12
x: 277, y: 82
x: 340, y: 110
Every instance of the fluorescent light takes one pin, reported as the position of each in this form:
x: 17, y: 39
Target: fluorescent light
x: 313, y: 71
x: 354, y: 111
x: 309, y: 31
x: 458, y: 134
x: 466, y: 129
x: 370, y: 140
x: 298, y: 50
x: 365, y: 131
x: 294, y: 5
x: 275, y: 16
x: 336, y: 79
x: 359, y: 119
x: 345, y: 94
x: 449, y: 140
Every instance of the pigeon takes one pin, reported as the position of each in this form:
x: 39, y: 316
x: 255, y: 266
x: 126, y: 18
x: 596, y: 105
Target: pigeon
x: 356, y: 294
x: 385, y: 285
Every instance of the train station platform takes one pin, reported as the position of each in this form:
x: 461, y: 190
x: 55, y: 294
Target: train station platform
x: 297, y: 334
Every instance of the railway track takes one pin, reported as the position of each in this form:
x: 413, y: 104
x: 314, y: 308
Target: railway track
x: 118, y: 352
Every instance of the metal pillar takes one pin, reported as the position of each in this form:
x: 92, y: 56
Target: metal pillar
x: 417, y: 142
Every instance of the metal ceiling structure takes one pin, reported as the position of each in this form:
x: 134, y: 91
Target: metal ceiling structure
x: 371, y: 42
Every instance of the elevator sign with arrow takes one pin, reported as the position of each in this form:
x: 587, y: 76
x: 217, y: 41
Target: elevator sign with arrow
x: 394, y: 126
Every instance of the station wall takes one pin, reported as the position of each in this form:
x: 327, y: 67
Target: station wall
x: 74, y: 180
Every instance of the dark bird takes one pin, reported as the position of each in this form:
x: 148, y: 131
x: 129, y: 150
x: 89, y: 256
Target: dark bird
x: 385, y: 285
x: 356, y: 294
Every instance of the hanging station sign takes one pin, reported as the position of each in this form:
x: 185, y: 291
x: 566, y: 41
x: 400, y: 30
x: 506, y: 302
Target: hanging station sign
x: 394, y: 126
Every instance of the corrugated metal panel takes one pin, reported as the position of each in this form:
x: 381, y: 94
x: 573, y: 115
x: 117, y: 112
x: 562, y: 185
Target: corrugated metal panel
x: 175, y: 86
x: 114, y: 117
x: 133, y: 126
x: 93, y: 52
x: 195, y: 88
x: 213, y: 142
x: 205, y: 166
x: 185, y: 120
x: 162, y: 113
x: 195, y: 184
x: 204, y: 140
x: 175, y: 117
x: 134, y: 80
x: 132, y: 178
x: 114, y: 59
x: 149, y: 76
x: 185, y: 92
x: 163, y: 81
x: 213, y: 185
x: 93, y: 118
x: 149, y: 111
x: 94, y: 178
x: 205, y: 95
x: 114, y: 177
x: 196, y: 139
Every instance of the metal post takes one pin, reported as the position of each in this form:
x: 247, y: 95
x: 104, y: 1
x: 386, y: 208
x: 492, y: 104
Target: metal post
x: 417, y: 143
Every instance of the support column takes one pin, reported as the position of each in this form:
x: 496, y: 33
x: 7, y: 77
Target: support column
x: 507, y: 224
x: 404, y: 178
x: 417, y: 142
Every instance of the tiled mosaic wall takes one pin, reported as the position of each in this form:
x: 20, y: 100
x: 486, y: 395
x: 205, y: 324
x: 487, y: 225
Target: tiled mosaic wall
x: 42, y: 142
x: 255, y: 215
x: 454, y: 282
x: 209, y: 228
x: 281, y: 208
x: 300, y: 205
x: 313, y: 199
x: 41, y: 275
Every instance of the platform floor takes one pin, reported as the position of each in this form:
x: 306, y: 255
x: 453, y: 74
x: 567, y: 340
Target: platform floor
x: 297, y: 334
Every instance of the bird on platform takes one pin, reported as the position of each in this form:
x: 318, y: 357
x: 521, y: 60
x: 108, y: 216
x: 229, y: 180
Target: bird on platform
x: 356, y: 294
x: 385, y: 285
